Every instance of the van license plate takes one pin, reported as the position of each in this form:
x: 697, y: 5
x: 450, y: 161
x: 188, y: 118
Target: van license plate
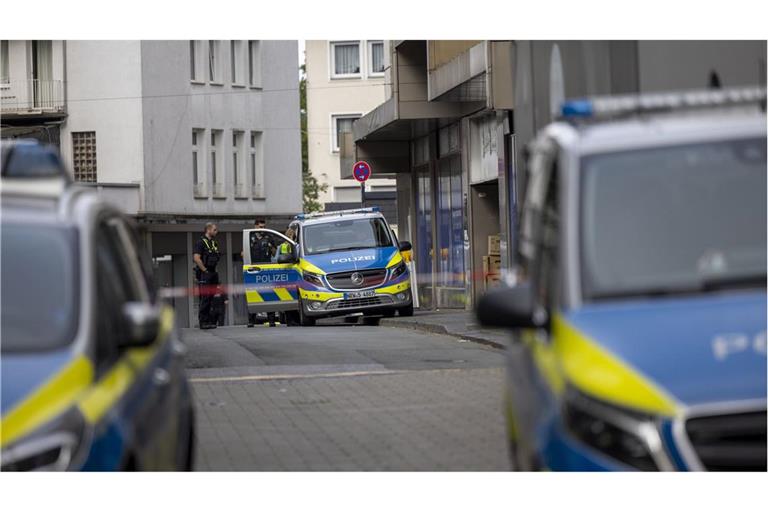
x: 360, y: 295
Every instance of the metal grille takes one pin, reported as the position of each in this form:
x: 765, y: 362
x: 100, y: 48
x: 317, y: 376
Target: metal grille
x: 343, y: 280
x: 84, y: 156
x: 357, y: 303
x: 730, y: 442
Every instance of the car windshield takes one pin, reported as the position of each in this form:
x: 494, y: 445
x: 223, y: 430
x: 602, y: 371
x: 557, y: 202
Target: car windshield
x: 679, y: 219
x: 346, y: 235
x: 39, y: 292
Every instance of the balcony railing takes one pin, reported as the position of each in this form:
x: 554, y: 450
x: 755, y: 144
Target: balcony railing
x: 32, y: 96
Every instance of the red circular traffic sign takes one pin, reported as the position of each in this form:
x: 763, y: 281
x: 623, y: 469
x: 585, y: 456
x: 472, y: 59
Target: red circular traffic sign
x: 361, y: 171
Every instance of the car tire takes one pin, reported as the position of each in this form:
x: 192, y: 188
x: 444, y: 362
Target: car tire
x: 304, y: 320
x: 371, y: 320
x: 406, y: 311
x: 389, y: 313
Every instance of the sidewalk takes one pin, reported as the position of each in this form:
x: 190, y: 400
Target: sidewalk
x: 452, y: 322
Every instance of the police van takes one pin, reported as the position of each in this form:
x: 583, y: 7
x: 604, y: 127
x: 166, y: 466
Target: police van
x: 639, y: 321
x: 333, y: 264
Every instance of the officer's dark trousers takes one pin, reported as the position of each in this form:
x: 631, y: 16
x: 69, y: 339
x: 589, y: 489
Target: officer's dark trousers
x: 208, y: 281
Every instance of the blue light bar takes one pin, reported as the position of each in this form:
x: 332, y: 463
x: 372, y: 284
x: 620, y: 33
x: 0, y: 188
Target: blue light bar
x: 577, y: 108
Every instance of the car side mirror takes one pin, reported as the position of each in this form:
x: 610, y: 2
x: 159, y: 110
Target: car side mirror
x: 142, y: 323
x: 510, y: 307
x: 405, y: 246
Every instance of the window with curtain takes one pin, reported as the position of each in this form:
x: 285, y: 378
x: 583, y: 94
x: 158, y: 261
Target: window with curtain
x: 342, y: 124
x: 376, y: 60
x: 345, y: 58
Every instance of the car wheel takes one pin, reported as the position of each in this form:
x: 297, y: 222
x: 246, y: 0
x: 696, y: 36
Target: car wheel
x: 371, y: 320
x: 389, y: 313
x: 304, y: 320
x: 406, y: 311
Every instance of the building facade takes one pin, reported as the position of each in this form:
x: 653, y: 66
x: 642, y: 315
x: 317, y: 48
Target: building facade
x: 345, y: 80
x: 457, y: 118
x: 177, y: 133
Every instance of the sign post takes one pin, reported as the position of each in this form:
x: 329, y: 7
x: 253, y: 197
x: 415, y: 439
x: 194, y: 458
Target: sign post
x: 361, y: 171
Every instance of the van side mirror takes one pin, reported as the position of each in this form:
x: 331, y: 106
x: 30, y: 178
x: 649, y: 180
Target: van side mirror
x: 405, y: 246
x: 142, y: 323
x: 510, y: 307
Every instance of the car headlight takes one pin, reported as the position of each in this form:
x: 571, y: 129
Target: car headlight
x: 313, y: 278
x: 61, y: 445
x: 399, y: 270
x: 622, y: 434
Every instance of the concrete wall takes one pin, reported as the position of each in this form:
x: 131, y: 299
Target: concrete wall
x: 326, y: 97
x: 665, y: 65
x: 104, y: 95
x: 173, y: 106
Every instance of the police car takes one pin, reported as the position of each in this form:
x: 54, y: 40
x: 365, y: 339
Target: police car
x: 340, y: 263
x: 91, y: 370
x: 640, y: 325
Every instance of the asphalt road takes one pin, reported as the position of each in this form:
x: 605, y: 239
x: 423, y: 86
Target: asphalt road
x: 344, y: 397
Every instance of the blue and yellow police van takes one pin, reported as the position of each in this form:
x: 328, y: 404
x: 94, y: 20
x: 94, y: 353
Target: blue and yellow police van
x: 333, y: 264
x: 639, y: 311
x: 92, y: 368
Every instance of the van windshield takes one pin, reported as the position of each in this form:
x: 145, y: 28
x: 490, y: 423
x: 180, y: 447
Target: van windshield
x: 40, y: 287
x: 346, y: 235
x: 678, y: 219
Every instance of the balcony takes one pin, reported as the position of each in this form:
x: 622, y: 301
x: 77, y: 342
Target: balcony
x: 33, y: 97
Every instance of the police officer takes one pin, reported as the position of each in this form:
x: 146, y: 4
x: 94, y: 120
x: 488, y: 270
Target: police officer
x: 286, y: 247
x: 206, y: 256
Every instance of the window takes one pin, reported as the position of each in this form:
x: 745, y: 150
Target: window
x: 256, y: 166
x: 341, y: 124
x: 237, y: 61
x: 43, y: 262
x: 198, y: 177
x: 217, y: 170
x: 116, y: 284
x: 347, y: 194
x: 196, y: 61
x: 192, y: 57
x: 214, y: 75
x: 254, y: 63
x: 345, y: 59
x: 4, y: 74
x: 376, y: 58
x: 237, y: 164
x: 346, y: 235
x: 84, y: 156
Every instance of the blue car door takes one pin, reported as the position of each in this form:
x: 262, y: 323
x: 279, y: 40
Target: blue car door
x: 269, y: 285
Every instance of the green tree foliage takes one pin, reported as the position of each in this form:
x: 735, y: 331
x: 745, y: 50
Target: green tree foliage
x: 312, y: 188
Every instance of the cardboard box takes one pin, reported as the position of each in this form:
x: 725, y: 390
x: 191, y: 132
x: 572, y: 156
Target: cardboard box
x: 494, y: 244
x: 491, y: 264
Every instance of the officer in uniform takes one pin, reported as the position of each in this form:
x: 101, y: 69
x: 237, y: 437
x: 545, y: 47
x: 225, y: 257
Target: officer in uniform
x: 206, y: 256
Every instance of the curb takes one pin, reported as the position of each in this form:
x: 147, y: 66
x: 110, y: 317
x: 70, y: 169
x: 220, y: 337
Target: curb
x: 438, y: 329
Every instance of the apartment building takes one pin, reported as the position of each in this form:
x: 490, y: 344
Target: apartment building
x: 177, y: 133
x: 345, y: 80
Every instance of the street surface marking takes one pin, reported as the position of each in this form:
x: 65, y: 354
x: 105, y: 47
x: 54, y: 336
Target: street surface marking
x: 318, y: 375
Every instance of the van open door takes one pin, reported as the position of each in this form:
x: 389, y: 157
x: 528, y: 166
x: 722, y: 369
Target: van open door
x: 270, y: 285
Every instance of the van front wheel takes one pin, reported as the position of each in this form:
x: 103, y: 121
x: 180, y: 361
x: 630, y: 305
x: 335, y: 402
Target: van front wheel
x: 304, y: 320
x: 406, y: 311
